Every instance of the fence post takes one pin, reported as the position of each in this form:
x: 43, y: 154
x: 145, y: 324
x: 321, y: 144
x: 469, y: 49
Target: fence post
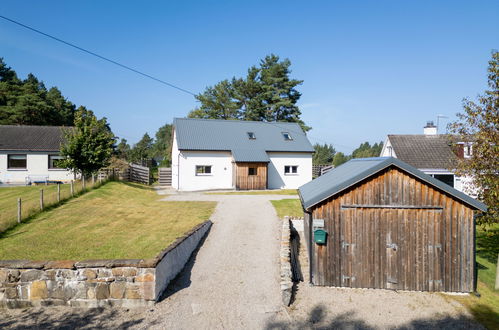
x: 41, y: 199
x: 19, y: 210
x: 83, y: 185
x: 72, y: 188
x: 93, y: 179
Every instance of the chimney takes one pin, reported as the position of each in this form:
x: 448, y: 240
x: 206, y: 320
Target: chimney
x: 430, y: 128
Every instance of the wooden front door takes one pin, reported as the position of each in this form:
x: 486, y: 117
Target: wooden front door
x: 251, y: 176
x: 391, y: 248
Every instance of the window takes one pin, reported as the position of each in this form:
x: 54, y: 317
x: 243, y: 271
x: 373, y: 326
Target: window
x: 16, y: 162
x: 445, y: 178
x: 290, y: 169
x: 54, y: 161
x: 252, y: 171
x: 203, y: 169
x: 467, y: 150
x: 251, y: 136
x: 287, y: 136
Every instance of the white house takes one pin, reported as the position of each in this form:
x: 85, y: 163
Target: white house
x: 230, y: 154
x: 30, y: 153
x: 431, y: 153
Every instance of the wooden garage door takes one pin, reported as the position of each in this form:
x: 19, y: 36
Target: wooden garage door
x: 391, y: 248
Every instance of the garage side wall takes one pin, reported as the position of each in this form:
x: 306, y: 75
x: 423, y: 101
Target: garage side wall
x: 393, y: 231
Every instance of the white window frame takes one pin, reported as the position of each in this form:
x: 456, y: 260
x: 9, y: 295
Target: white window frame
x: 55, y: 156
x: 292, y: 169
x: 204, y: 170
x: 17, y: 168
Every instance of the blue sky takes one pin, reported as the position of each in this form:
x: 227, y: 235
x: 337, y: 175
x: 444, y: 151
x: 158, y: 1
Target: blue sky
x: 370, y: 68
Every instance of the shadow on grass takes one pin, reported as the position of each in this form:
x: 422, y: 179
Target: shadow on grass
x: 485, y: 315
x: 487, y: 244
x: 317, y: 319
x: 47, y: 318
x: 13, y: 230
x: 137, y: 185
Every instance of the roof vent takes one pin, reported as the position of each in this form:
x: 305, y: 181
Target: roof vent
x: 430, y: 128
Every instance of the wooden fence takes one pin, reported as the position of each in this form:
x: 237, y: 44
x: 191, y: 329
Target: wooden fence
x: 140, y: 174
x: 165, y: 176
x: 318, y: 170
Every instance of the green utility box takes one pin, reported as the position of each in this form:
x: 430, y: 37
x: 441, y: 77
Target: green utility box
x: 320, y: 236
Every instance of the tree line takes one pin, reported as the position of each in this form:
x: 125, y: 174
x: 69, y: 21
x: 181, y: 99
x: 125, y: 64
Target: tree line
x: 325, y: 154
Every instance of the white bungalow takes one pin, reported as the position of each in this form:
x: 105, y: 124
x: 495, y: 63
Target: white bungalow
x: 230, y: 154
x: 30, y: 154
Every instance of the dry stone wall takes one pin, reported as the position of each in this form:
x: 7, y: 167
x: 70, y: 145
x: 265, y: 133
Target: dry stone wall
x: 93, y: 283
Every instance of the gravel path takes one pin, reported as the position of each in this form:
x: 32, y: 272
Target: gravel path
x: 232, y: 283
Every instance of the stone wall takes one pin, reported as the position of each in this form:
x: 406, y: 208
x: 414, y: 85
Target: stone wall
x: 285, y: 257
x: 93, y: 283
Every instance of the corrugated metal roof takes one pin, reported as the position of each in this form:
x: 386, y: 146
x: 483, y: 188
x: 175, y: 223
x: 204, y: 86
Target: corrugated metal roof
x: 424, y: 151
x: 230, y: 135
x: 250, y: 155
x: 356, y: 170
x: 31, y: 138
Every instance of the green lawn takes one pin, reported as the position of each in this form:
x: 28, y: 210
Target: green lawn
x: 486, y: 308
x: 289, y: 207
x: 118, y: 220
x: 257, y: 192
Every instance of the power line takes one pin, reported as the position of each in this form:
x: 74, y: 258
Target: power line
x: 99, y: 56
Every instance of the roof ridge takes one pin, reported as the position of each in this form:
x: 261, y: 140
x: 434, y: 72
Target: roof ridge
x: 238, y: 121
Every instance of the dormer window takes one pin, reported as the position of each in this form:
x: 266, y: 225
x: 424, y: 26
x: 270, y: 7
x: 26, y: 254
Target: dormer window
x: 287, y: 136
x: 251, y: 135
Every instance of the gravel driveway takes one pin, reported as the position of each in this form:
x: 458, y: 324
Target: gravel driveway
x: 232, y: 282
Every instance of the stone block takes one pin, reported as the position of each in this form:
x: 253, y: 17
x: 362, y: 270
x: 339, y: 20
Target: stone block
x: 34, y: 264
x: 13, y: 263
x: 124, y: 263
x: 132, y: 291
x: 3, y: 275
x: 24, y: 291
x: 49, y: 274
x: 65, y: 274
x: 13, y: 275
x: 148, y: 277
x: 103, y: 272
x: 102, y: 291
x: 31, y: 275
x: 89, y: 274
x: 117, y: 290
x: 124, y: 271
x: 38, y: 290
x: 11, y: 293
x: 91, y: 292
x: 93, y: 263
x: 149, y: 263
x: 60, y: 264
x: 148, y: 290
x: 56, y: 291
x: 79, y: 290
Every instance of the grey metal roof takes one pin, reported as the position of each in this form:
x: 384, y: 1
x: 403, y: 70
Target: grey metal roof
x: 424, y: 151
x: 250, y: 155
x: 356, y: 170
x: 230, y: 135
x: 31, y: 138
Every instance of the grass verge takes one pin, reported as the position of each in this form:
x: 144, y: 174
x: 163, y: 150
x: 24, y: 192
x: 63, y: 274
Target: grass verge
x: 30, y: 200
x: 118, y: 220
x: 257, y: 192
x: 290, y: 207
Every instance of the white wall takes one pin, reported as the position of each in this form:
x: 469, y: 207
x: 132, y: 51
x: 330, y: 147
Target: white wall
x: 278, y: 180
x: 175, y: 158
x: 387, y: 150
x: 36, y: 165
x: 221, y: 170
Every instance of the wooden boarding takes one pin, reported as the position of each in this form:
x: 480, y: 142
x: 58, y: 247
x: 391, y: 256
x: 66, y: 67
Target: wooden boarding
x: 393, y: 231
x: 256, y: 181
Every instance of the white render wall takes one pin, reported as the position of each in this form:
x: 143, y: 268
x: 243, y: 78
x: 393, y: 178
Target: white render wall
x: 276, y: 177
x: 187, y: 180
x: 36, y: 165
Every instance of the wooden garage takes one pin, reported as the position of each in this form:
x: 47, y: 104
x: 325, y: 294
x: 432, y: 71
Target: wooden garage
x: 388, y: 225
